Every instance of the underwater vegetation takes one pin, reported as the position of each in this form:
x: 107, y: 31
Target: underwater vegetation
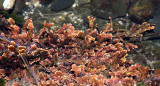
x: 66, y: 56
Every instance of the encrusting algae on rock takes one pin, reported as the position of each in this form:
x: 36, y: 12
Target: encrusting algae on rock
x: 70, y: 57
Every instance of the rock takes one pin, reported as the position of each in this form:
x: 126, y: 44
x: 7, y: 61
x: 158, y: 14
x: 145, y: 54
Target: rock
x: 141, y: 11
x: 156, y: 21
x: 109, y: 8
x: 81, y: 2
x: 156, y: 4
x: 147, y: 53
x: 8, y: 4
x: 46, y: 2
x: 59, y: 5
x: 19, y: 6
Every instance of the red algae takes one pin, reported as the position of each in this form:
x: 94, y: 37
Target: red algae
x: 71, y: 57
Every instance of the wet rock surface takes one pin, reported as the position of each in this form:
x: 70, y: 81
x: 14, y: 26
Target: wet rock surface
x: 19, y: 6
x: 59, y: 5
x: 138, y: 10
x: 106, y: 8
x: 46, y: 2
x: 147, y: 54
x: 156, y: 21
x: 141, y: 11
x: 82, y: 2
x: 156, y: 4
x: 72, y: 15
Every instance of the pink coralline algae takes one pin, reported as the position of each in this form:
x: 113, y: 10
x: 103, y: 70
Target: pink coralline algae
x: 70, y: 57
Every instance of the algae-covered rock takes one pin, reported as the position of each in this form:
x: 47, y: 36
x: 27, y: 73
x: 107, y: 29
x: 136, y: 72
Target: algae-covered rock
x: 141, y: 11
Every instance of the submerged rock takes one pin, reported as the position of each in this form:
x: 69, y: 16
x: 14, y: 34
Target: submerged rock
x: 156, y: 20
x: 46, y: 1
x: 141, y: 11
x: 109, y: 8
x: 59, y: 5
x: 156, y: 4
x: 81, y: 2
x: 147, y: 54
x: 19, y: 6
